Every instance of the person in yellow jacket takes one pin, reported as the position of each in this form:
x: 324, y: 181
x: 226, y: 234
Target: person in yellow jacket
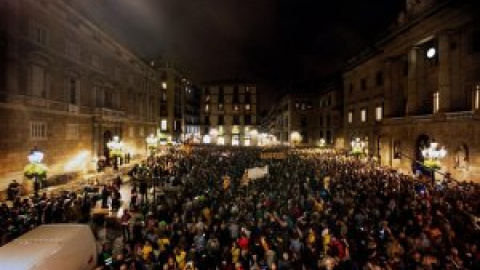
x: 235, y: 250
x: 180, y: 257
x: 326, y: 240
x: 146, y: 250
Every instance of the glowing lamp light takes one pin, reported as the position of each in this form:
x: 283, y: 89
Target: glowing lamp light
x: 433, y: 154
x: 357, y: 146
x: 35, y: 157
x: 151, y: 140
x: 431, y: 52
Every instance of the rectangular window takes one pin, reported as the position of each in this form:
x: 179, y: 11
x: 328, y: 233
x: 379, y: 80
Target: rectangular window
x: 117, y: 73
x: 248, y: 119
x: 379, y: 113
x: 475, y: 45
x: 363, y: 83
x: 38, y: 130
x: 220, y: 106
x: 96, y: 61
x: 141, y: 132
x: 38, y: 82
x: 207, y: 108
x: 436, y: 102
x: 350, y: 117
x: 164, y: 95
x: 236, y: 107
x: 164, y: 85
x: 163, y: 125
x: 40, y: 34
x: 476, y: 98
x: 73, y: 131
x: 72, y: 49
x: 247, y: 107
x: 131, y: 132
x: 363, y: 115
x: 72, y: 85
x: 221, y: 120
x: 379, y: 78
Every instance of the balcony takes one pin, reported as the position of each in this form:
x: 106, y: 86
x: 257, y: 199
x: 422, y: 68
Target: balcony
x: 109, y: 114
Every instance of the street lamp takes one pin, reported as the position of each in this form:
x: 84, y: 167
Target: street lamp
x: 432, y: 155
x: 296, y: 138
x: 321, y: 142
x: 36, y: 169
x: 358, y: 146
x: 116, y: 147
x: 152, y: 143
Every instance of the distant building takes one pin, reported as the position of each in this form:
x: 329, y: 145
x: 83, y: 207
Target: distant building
x: 173, y: 101
x: 330, y: 115
x: 66, y: 87
x: 229, y: 113
x: 294, y: 112
x: 420, y: 83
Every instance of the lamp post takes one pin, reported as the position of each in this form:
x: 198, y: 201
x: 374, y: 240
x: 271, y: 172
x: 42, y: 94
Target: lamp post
x: 36, y: 170
x: 116, y: 147
x: 321, y: 143
x: 432, y: 156
x: 151, y: 144
x: 296, y: 138
x: 358, y: 147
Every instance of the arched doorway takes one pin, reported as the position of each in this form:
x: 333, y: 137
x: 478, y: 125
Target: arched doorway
x: 107, y: 136
x: 423, y: 141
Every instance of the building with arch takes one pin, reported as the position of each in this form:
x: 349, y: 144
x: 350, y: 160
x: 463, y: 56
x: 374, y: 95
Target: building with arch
x: 67, y: 87
x: 420, y: 83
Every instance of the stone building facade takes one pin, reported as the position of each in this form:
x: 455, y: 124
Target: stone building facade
x: 229, y: 113
x: 67, y: 88
x: 331, y: 115
x: 295, y: 112
x: 420, y: 83
x: 173, y: 102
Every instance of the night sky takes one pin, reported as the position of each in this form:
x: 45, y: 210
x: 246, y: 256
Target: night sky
x: 272, y: 42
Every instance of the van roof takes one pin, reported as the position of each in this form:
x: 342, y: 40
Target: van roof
x: 52, y: 233
x: 31, y: 250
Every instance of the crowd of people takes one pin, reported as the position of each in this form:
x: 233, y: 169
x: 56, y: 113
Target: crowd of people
x: 316, y: 209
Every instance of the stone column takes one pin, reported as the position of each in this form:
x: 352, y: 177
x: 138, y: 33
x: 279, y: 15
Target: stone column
x: 412, y: 98
x: 388, y: 88
x: 444, y: 72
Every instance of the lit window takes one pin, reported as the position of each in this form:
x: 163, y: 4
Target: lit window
x: 476, y: 99
x: 363, y: 115
x: 131, y: 132
x: 436, y: 102
x: 207, y: 108
x: 235, y: 107
x: 221, y: 130
x: 220, y: 106
x: 141, y: 131
x: 247, y: 107
x: 38, y: 130
x: 163, y: 125
x: 350, y: 117
x: 379, y: 113
x: 164, y: 85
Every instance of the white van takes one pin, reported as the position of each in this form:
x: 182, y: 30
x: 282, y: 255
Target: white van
x: 51, y: 247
